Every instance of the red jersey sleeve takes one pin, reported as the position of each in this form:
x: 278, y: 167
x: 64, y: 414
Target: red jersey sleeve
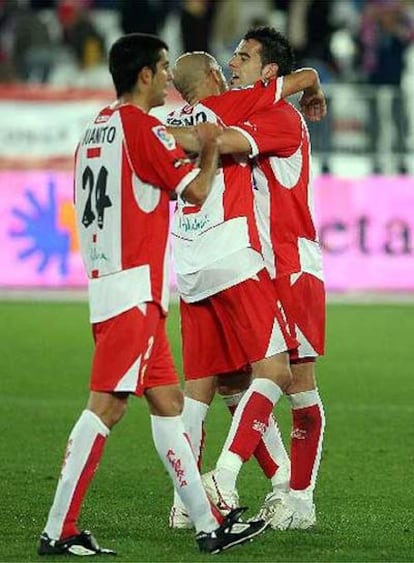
x: 155, y: 156
x: 277, y: 131
x: 239, y: 104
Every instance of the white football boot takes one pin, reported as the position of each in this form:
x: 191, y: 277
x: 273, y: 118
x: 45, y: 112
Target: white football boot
x: 280, y: 514
x: 179, y: 519
x: 225, y: 501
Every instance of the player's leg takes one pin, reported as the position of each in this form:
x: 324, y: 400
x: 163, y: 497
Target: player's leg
x: 203, y: 357
x: 305, y: 301
x: 119, y: 342
x: 160, y: 384
x: 251, y: 418
x: 308, y: 423
x: 207, y: 350
x: 198, y: 396
x: 83, y: 453
x: 173, y: 447
x: 270, y: 453
x: 250, y: 311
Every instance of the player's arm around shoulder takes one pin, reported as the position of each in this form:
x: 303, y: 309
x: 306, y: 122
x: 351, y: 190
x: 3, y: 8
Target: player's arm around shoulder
x: 232, y: 141
x: 198, y: 189
x: 299, y: 81
x: 313, y: 105
x: 313, y: 101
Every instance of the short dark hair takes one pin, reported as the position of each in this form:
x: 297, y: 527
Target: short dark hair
x: 129, y: 55
x: 275, y: 48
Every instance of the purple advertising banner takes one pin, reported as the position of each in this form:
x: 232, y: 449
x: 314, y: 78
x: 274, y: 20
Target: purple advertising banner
x: 366, y: 228
x: 39, y: 246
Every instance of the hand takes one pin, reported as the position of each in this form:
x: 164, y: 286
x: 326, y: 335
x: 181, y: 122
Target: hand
x: 313, y: 106
x: 207, y: 132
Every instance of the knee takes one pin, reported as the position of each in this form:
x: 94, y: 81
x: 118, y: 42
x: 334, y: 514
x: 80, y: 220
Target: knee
x: 119, y: 411
x: 276, y: 368
x: 178, y: 402
x: 303, y: 378
x: 111, y: 412
x: 284, y: 378
x: 202, y: 390
x: 165, y: 401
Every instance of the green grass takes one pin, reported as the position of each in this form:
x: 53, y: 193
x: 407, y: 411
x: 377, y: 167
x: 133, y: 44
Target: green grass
x: 365, y: 492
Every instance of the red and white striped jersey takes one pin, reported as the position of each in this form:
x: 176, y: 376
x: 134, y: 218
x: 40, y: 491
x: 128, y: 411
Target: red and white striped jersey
x: 126, y: 166
x: 283, y: 190
x: 217, y: 245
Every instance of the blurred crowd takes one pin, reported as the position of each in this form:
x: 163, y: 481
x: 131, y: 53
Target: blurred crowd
x: 65, y: 42
x: 347, y: 40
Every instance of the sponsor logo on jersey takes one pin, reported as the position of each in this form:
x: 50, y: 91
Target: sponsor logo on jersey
x: 180, y: 120
x: 166, y: 138
x: 193, y: 223
x: 96, y: 256
x: 251, y: 125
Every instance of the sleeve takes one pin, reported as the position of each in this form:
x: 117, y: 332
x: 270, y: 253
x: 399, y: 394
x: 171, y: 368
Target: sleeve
x: 237, y: 105
x: 157, y: 159
x: 277, y: 132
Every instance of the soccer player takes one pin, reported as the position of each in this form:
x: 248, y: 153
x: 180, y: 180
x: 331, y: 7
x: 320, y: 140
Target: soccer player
x: 278, y: 143
x: 207, y: 262
x: 126, y: 167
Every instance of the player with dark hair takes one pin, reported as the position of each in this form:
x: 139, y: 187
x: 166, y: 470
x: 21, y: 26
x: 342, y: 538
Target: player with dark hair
x: 277, y: 141
x: 274, y: 47
x: 126, y: 168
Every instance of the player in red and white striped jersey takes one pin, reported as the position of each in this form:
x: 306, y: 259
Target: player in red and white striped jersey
x: 278, y: 143
x: 216, y: 249
x: 127, y: 166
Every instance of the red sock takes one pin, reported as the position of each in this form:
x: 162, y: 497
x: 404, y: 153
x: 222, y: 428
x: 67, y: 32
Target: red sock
x: 306, y: 445
x: 91, y: 465
x: 83, y: 453
x: 267, y: 451
x: 251, y: 418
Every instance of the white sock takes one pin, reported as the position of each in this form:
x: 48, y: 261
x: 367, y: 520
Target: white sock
x: 88, y: 433
x: 233, y: 400
x: 168, y: 433
x: 193, y: 416
x: 305, y: 399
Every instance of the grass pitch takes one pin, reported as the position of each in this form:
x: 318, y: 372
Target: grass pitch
x: 365, y: 491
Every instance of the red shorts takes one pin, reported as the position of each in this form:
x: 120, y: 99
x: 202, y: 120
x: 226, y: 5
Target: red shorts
x: 132, y: 352
x: 235, y: 327
x: 303, y: 302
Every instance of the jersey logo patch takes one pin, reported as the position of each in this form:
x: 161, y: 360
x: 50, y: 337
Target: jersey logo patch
x: 251, y: 125
x: 166, y: 139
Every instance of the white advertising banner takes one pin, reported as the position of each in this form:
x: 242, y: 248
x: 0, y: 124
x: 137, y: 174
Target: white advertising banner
x: 41, y: 127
